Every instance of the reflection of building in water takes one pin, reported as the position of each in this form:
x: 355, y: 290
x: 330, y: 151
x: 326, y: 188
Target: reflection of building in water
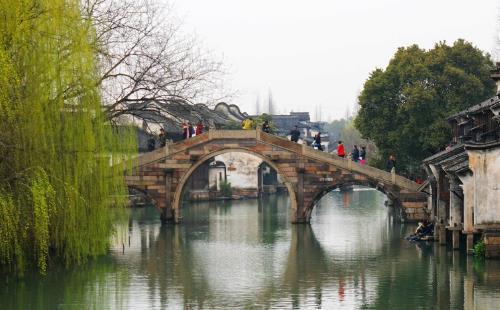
x: 346, y: 198
x: 216, y: 175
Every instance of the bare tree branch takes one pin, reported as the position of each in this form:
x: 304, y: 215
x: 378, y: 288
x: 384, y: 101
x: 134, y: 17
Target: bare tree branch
x: 146, y: 64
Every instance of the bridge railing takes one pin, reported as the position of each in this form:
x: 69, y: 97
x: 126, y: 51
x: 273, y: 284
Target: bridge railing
x: 372, y: 172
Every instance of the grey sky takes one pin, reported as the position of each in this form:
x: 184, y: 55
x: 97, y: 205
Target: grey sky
x: 320, y: 52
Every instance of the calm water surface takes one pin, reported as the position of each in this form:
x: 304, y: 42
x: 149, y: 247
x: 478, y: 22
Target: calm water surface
x: 246, y: 254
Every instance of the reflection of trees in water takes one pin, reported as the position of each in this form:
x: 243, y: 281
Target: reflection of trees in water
x: 169, y: 265
x: 307, y: 265
x: 310, y: 268
x: 273, y: 217
x: 435, y: 278
x: 450, y: 282
x: 86, y: 286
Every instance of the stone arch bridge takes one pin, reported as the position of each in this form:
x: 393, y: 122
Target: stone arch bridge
x: 307, y: 173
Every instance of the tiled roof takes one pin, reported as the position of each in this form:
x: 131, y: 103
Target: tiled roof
x: 436, y: 158
x: 487, y: 104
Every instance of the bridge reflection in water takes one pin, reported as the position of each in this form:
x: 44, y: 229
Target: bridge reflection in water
x: 241, y: 255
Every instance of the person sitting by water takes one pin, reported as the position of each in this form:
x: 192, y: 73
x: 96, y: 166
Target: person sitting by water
x: 424, y: 228
x: 424, y: 231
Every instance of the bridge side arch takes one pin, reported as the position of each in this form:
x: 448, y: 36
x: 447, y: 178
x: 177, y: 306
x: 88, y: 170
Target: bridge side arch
x: 391, y: 193
x: 182, y: 182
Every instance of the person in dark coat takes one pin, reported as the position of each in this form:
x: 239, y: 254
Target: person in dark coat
x: 295, y: 134
x: 317, y: 141
x: 162, y: 138
x: 185, y: 131
x: 190, y: 129
x: 362, y: 155
x: 355, y: 154
x: 391, y: 163
x: 151, y: 144
x: 266, y: 127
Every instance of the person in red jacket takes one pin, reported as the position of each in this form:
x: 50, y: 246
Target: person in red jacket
x: 199, y: 128
x: 340, y: 150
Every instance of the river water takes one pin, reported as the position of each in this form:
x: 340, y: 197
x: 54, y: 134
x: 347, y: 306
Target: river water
x: 246, y: 254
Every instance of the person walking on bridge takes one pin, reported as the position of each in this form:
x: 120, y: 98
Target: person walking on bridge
x: 340, y: 150
x: 162, y: 138
x: 317, y: 141
x: 199, y: 128
x: 362, y: 156
x: 266, y: 127
x: 391, y: 164
x: 247, y: 124
x: 190, y: 129
x: 295, y: 134
x: 355, y: 154
x: 185, y: 131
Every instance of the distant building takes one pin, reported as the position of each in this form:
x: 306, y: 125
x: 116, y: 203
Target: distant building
x: 464, y: 180
x: 285, y: 123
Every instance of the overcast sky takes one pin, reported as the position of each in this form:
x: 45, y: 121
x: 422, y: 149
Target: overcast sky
x: 320, y: 52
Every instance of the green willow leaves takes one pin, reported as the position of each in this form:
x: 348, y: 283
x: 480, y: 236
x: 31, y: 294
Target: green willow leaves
x: 59, y: 178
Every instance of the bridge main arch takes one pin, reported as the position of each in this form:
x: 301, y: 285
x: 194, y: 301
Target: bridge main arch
x: 176, y: 205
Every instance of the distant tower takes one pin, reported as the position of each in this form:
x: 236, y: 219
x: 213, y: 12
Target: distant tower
x: 317, y: 113
x: 270, y: 103
x: 257, y: 105
x: 347, y: 112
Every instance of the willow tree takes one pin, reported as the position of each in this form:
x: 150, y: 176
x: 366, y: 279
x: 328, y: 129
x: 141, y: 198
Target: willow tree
x: 58, y: 184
